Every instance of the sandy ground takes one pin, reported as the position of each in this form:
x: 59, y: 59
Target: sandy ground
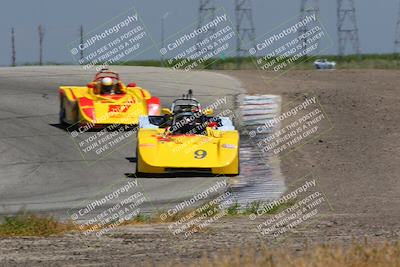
x: 357, y: 161
x: 356, y: 164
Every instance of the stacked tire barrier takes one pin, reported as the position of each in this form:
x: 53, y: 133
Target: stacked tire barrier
x: 258, y: 110
x: 261, y: 178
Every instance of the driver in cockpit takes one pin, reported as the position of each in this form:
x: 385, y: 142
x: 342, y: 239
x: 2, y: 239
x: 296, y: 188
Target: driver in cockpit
x: 107, y: 86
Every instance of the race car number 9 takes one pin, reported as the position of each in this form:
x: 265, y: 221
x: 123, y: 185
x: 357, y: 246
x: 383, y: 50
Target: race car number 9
x: 200, y: 154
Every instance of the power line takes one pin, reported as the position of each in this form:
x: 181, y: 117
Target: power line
x: 347, y: 27
x: 244, y: 28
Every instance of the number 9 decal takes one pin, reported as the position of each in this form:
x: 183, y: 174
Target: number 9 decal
x: 200, y: 154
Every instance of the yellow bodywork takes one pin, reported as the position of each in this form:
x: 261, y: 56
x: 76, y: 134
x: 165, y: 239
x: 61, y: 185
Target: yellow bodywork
x: 80, y: 102
x: 216, y: 152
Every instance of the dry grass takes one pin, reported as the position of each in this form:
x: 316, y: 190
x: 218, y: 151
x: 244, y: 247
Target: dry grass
x: 32, y: 225
x: 357, y: 255
x: 25, y: 224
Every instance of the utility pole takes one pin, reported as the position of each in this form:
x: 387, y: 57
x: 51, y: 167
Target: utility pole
x: 13, y: 53
x: 41, y: 36
x: 162, y: 36
x: 81, y: 35
x: 308, y: 8
x: 244, y: 28
x: 347, y: 27
x: 207, y: 10
x: 397, y: 38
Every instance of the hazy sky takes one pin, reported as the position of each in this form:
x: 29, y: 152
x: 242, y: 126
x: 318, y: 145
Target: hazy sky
x: 61, y: 20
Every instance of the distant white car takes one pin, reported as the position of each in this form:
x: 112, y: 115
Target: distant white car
x: 324, y: 64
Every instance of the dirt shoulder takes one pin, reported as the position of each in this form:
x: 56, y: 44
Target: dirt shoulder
x: 357, y: 162
x: 155, y: 245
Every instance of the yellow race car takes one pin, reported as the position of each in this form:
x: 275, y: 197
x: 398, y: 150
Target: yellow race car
x: 106, y: 100
x: 187, y: 139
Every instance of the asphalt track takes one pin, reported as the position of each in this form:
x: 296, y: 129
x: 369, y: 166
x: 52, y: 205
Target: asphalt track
x: 42, y: 170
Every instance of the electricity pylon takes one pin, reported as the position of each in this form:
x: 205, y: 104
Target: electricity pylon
x: 308, y: 8
x: 206, y: 13
x: 347, y: 26
x: 245, y: 29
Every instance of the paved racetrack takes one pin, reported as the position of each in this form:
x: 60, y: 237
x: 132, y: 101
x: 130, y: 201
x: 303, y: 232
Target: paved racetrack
x: 42, y: 170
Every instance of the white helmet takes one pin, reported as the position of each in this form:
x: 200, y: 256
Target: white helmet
x: 107, y: 81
